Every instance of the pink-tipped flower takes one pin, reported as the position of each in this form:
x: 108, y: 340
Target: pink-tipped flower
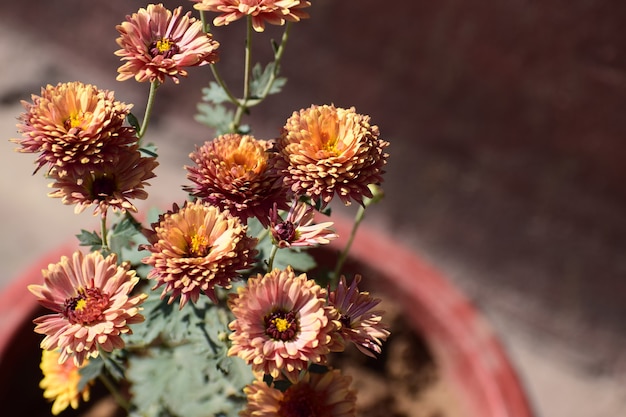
x: 360, y: 324
x: 111, y: 184
x: 195, y: 248
x: 90, y: 296
x: 324, y: 151
x: 235, y: 173
x: 274, y: 12
x: 298, y: 228
x: 60, y: 382
x: 73, y: 126
x: 282, y: 323
x: 158, y: 43
x: 327, y: 395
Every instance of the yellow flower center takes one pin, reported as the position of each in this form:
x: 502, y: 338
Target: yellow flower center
x: 199, y: 245
x: 164, y: 45
x: 329, y: 145
x: 280, y: 324
x: 76, y: 119
x: 80, y: 304
x: 87, y: 307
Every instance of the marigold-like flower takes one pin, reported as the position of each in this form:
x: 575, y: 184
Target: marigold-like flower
x: 111, y: 184
x: 282, y: 323
x: 60, y: 382
x: 73, y: 126
x: 360, y: 324
x: 327, y: 395
x: 90, y: 297
x: 235, y: 172
x: 195, y: 248
x: 297, y: 229
x: 274, y: 12
x: 159, y: 43
x: 325, y: 150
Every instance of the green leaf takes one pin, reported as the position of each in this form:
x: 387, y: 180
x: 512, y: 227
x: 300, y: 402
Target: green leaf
x: 189, y: 373
x: 149, y: 149
x: 89, y: 372
x: 214, y: 93
x: 215, y: 116
x: 260, y: 78
x: 185, y: 381
x: 133, y: 121
x: 298, y: 259
x: 91, y: 239
x: 125, y: 238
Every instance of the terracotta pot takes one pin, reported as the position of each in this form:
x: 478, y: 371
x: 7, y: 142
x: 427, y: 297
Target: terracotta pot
x: 470, y: 358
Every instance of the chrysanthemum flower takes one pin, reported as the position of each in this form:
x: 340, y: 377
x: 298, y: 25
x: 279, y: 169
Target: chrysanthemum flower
x: 325, y: 150
x: 90, y: 297
x: 60, y: 382
x: 195, y: 248
x: 360, y: 324
x: 297, y: 229
x: 159, y: 43
x: 235, y: 172
x: 274, y: 12
x: 111, y: 184
x: 327, y: 395
x: 73, y: 126
x: 282, y: 323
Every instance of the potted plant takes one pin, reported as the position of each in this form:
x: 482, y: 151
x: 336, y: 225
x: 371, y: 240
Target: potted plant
x: 248, y: 298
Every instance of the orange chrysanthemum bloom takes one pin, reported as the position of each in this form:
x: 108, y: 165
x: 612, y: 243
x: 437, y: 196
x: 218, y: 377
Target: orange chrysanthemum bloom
x: 326, y: 394
x: 93, y: 308
x: 325, y: 150
x: 360, y: 323
x: 282, y: 323
x: 195, y: 248
x: 111, y: 184
x: 274, y: 12
x: 60, y: 382
x: 235, y: 172
x: 159, y: 43
x: 73, y: 126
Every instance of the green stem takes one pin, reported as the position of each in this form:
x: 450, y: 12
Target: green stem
x: 243, y: 103
x: 334, y: 279
x: 270, y: 261
x: 146, y: 117
x: 119, y: 398
x: 220, y: 81
x: 104, y: 231
x: 205, y: 25
x: 278, y: 55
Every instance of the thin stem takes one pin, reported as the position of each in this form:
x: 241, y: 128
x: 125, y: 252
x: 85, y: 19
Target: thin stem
x: 278, y: 55
x: 334, y: 279
x: 205, y: 25
x: 220, y: 81
x: 146, y: 117
x: 104, y: 231
x: 243, y: 104
x: 270, y: 261
x: 119, y: 398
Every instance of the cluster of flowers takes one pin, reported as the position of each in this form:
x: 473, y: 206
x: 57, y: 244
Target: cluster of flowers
x: 283, y: 321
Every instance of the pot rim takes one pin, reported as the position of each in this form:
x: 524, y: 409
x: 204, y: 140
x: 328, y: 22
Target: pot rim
x: 473, y: 358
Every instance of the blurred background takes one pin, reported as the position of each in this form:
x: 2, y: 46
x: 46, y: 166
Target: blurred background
x: 507, y: 167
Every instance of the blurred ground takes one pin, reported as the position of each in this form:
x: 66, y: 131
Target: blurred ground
x: 506, y: 169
